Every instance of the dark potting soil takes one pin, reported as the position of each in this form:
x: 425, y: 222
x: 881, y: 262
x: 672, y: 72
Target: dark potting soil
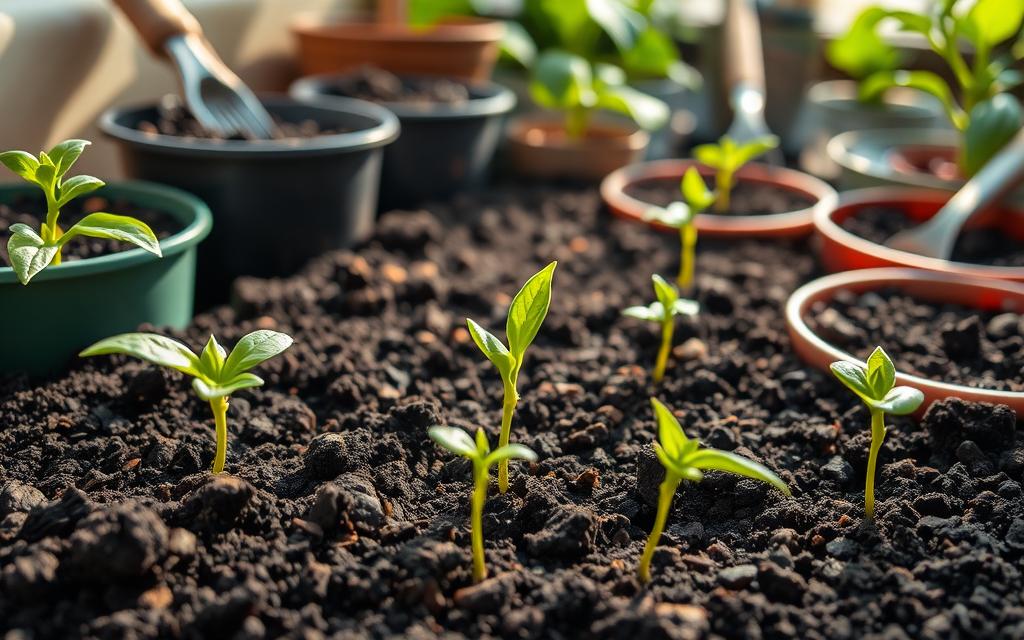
x: 746, y: 199
x: 340, y: 518
x: 939, y: 341
x: 176, y: 120
x: 988, y: 246
x: 32, y: 211
x: 378, y: 85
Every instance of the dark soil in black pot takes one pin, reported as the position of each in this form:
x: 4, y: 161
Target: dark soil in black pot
x: 341, y: 518
x: 944, y: 342
x: 378, y: 85
x: 747, y: 198
x: 988, y: 246
x: 172, y: 118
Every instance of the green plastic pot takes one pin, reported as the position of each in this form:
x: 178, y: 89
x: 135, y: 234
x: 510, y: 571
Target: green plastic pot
x: 45, y: 323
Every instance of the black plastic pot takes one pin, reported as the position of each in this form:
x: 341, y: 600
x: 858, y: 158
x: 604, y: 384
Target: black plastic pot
x: 275, y: 203
x: 443, y: 149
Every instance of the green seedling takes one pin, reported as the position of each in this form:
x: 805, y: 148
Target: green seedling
x: 460, y: 443
x: 216, y: 374
x: 685, y: 459
x: 875, y: 384
x: 525, y: 316
x: 862, y: 50
x: 726, y: 158
x: 978, y: 102
x: 680, y: 215
x: 663, y: 311
x: 31, y: 252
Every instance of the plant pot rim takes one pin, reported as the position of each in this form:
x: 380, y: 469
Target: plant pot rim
x: 450, y: 30
x: 868, y: 152
x: 826, y: 226
x: 486, y: 99
x: 383, y: 132
x: 789, y: 224
x: 818, y: 353
x: 183, y: 206
x: 827, y: 93
x: 624, y: 136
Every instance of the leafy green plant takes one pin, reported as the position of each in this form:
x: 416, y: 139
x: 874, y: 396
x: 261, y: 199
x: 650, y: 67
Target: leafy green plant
x: 726, y: 158
x: 680, y: 215
x: 479, y: 452
x: 216, y: 374
x: 31, y: 252
x: 978, y: 104
x: 875, y: 384
x: 685, y: 459
x: 525, y: 316
x: 663, y: 311
x: 862, y: 51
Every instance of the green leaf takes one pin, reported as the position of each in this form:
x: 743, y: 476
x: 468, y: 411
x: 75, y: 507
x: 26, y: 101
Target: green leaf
x: 900, y: 401
x: 862, y: 51
x: 648, y: 112
x: 65, y: 154
x: 912, y: 22
x: 455, y: 440
x: 676, y: 215
x: 150, y: 347
x: 208, y: 391
x: 621, y: 23
x: 713, y: 459
x: 75, y: 187
x: 527, y: 312
x: 756, y: 147
x: 881, y: 374
x: 653, y: 313
x: 675, y: 466
x: 45, y: 176
x: 666, y: 293
x: 28, y: 253
x: 992, y: 124
x: 684, y: 307
x: 108, y: 225
x: 211, y: 360
x: 709, y: 155
x: 854, y: 376
x: 561, y: 80
x: 608, y: 75
x: 996, y: 20
x: 509, y: 452
x: 927, y: 81
x: 21, y: 163
x: 482, y: 446
x: 695, y: 191
x: 253, y: 349
x: 670, y: 432
x: 517, y: 44
x: 492, y: 348
x: 652, y: 55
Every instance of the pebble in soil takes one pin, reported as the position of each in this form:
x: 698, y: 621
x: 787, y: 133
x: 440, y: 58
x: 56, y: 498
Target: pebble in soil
x: 341, y: 518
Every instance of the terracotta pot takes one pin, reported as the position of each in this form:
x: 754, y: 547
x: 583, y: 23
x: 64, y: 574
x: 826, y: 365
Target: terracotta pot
x: 982, y: 294
x: 841, y: 250
x: 465, y: 48
x: 790, y: 224
x: 539, y: 148
x: 904, y: 157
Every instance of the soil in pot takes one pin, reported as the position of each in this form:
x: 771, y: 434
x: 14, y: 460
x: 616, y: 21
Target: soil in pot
x: 984, y: 245
x: 747, y: 198
x: 943, y: 342
x: 378, y: 85
x: 32, y: 211
x: 109, y: 525
x: 174, y: 119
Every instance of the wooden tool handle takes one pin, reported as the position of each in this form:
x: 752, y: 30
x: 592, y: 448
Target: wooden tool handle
x: 744, y: 58
x: 158, y: 20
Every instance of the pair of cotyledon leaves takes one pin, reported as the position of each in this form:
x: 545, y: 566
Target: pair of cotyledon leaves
x: 460, y: 443
x: 668, y: 298
x: 875, y: 384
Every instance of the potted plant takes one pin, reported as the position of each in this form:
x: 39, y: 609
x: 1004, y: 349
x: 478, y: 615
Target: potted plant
x: 450, y: 128
x: 983, y: 114
x: 277, y: 202
x: 832, y: 107
x: 463, y: 47
x: 66, y: 278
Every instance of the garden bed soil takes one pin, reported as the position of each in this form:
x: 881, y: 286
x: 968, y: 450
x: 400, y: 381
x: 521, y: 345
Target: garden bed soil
x: 988, y: 245
x: 32, y: 211
x: 943, y: 342
x: 378, y: 85
x: 174, y: 119
x: 746, y: 199
x: 339, y: 517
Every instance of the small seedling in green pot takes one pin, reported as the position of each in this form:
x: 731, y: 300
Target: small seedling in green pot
x: 215, y: 373
x: 31, y: 252
x: 525, y: 316
x: 460, y: 443
x: 685, y: 459
x: 875, y: 386
x: 726, y: 158
x: 681, y: 215
x: 663, y: 311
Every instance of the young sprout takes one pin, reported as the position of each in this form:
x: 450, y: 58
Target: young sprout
x: 680, y: 215
x: 216, y: 374
x: 663, y: 311
x: 726, y: 158
x: 525, y: 316
x: 31, y: 252
x: 458, y: 442
x: 875, y: 386
x: 685, y: 459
